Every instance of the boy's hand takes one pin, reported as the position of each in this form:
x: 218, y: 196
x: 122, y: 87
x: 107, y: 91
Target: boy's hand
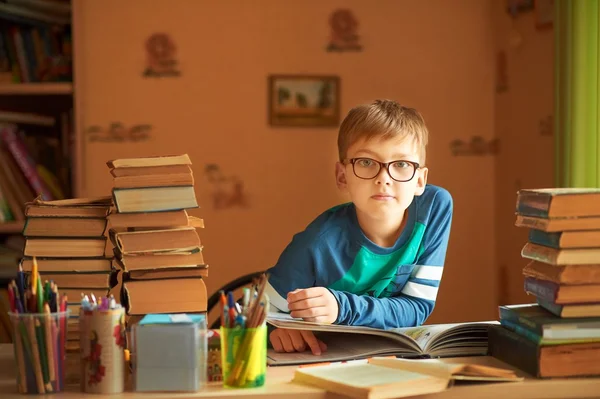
x: 284, y: 340
x: 316, y: 304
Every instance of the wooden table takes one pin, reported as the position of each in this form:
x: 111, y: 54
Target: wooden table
x: 279, y: 386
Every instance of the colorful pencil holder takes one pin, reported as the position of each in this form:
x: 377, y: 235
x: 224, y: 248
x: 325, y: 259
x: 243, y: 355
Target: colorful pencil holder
x: 102, y: 342
x: 244, y: 356
x: 39, y: 346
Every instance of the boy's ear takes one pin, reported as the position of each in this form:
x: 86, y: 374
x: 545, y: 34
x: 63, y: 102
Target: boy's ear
x: 421, y: 180
x: 340, y: 176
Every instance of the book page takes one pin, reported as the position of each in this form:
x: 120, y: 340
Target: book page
x: 283, y: 320
x: 455, y: 335
x: 363, y: 375
x: 341, y: 347
x: 461, y: 337
x: 95, y: 201
x: 423, y: 334
x: 457, y: 371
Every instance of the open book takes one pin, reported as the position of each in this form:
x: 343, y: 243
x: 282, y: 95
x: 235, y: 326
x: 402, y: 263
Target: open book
x: 350, y: 342
x: 395, y: 378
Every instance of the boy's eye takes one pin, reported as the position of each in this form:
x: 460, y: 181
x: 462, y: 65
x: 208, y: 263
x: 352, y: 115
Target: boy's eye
x: 365, y: 162
x: 401, y: 164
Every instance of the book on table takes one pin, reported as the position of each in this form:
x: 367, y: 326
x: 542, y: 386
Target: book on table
x: 396, y: 378
x: 352, y: 342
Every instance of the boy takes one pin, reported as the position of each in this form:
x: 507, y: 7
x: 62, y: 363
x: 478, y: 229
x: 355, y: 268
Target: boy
x: 376, y: 261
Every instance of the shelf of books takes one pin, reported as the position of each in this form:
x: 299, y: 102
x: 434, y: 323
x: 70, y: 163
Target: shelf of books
x: 46, y: 88
x: 11, y: 227
x: 36, y: 106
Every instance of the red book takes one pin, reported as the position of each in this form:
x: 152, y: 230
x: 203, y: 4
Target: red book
x: 25, y: 162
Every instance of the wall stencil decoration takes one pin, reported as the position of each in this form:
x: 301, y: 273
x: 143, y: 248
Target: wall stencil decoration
x: 546, y: 126
x: 544, y: 14
x: 476, y: 146
x: 161, y: 58
x: 501, y: 72
x: 515, y: 7
x: 226, y: 191
x: 304, y: 100
x: 344, y: 31
x: 118, y: 132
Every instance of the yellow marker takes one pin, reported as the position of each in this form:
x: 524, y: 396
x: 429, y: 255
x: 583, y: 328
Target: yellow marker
x: 34, y: 276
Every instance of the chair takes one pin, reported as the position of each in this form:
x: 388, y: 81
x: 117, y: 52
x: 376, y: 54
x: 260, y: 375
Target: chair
x: 239, y: 282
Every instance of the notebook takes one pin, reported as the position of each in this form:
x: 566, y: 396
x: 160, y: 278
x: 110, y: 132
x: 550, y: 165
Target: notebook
x: 351, y: 342
x: 395, y: 378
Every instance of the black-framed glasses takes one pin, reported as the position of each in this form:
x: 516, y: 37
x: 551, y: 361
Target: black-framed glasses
x: 400, y: 170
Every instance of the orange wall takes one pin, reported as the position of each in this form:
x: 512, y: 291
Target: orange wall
x: 436, y: 56
x: 526, y: 159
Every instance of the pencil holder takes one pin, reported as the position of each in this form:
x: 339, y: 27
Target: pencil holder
x: 102, y: 342
x: 39, y: 346
x: 244, y: 356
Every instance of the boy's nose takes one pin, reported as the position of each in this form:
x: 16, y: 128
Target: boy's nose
x: 383, y: 177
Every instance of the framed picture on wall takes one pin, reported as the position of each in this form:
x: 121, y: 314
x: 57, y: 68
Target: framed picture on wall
x: 304, y: 100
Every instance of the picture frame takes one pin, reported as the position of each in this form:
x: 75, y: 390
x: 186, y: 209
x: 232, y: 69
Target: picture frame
x: 304, y: 100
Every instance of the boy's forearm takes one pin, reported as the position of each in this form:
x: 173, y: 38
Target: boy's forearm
x: 385, y: 313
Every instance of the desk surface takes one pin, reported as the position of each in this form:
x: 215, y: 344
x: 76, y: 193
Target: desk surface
x: 279, y: 386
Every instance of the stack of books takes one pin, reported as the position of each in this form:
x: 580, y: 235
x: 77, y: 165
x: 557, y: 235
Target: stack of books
x: 156, y: 243
x: 67, y: 238
x: 559, y: 335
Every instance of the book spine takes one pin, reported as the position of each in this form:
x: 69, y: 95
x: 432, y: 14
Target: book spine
x: 38, y: 51
x: 532, y: 222
x: 511, y: 316
x: 551, y: 307
x: 539, y: 237
x: 513, y: 349
x: 20, y: 49
x: 5, y: 213
x: 545, y: 290
x: 544, y: 271
x: 540, y: 253
x: 25, y: 162
x: 522, y: 331
x: 12, y: 56
x: 30, y: 54
x: 525, y: 210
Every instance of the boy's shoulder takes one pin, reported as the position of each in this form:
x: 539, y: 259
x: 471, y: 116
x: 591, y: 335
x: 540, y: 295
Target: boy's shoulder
x: 334, y: 221
x: 434, y: 201
x: 435, y: 195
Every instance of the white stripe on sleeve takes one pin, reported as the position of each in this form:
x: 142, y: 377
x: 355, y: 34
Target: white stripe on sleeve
x: 420, y: 291
x: 428, y: 272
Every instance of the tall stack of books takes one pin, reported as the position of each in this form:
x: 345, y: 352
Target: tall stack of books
x: 67, y: 239
x: 156, y: 243
x: 559, y: 335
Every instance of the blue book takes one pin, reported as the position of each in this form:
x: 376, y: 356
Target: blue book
x: 566, y: 239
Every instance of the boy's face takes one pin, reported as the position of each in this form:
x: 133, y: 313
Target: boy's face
x: 381, y: 197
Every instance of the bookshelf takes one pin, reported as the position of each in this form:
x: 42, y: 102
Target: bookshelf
x: 11, y: 227
x: 36, y: 89
x: 36, y: 96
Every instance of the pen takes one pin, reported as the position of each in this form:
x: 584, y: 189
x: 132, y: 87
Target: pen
x: 246, y: 300
x: 21, y: 284
x: 11, y: 298
x: 240, y: 321
x: 40, y: 296
x: 223, y: 304
x: 231, y: 306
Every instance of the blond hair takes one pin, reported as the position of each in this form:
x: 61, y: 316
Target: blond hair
x: 383, y: 119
